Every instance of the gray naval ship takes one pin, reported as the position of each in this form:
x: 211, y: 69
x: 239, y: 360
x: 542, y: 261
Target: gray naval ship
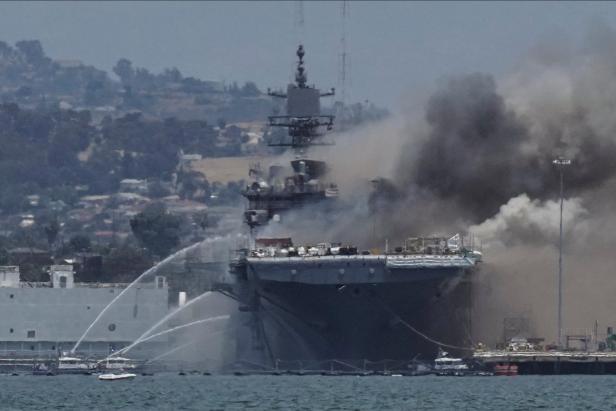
x: 43, y: 320
x: 331, y: 301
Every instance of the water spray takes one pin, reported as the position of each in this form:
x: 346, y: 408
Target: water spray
x: 149, y: 271
x: 170, y: 315
x: 178, y: 348
x: 170, y: 330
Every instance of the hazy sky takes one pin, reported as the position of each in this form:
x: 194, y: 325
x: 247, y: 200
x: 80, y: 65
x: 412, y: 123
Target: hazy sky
x: 395, y: 48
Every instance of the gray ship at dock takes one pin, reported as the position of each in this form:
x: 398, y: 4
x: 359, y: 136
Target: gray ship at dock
x: 302, y: 303
x: 42, y: 321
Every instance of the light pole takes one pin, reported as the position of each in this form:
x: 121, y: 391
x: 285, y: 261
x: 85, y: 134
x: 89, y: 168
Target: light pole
x: 560, y: 162
x: 376, y: 185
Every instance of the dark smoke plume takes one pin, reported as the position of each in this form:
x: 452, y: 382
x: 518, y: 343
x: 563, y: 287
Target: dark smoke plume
x: 479, y: 159
x: 477, y: 154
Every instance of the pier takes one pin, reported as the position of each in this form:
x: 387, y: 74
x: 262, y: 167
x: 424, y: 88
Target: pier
x: 550, y: 362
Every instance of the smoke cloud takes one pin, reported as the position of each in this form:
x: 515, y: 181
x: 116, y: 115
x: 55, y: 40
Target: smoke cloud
x: 478, y: 158
x: 533, y: 222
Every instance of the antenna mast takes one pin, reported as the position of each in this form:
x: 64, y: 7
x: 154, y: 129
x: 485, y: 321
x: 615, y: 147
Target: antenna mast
x: 298, y: 31
x: 299, y: 21
x: 342, y: 75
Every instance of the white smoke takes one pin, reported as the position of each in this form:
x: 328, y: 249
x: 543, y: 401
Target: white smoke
x: 525, y: 221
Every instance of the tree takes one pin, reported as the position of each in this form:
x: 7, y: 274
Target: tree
x: 4, y: 253
x: 156, y: 189
x: 233, y: 89
x: 11, y: 199
x: 124, y: 70
x: 250, y: 89
x: 201, y: 219
x: 190, y: 183
x: 52, y: 228
x: 156, y: 229
x: 80, y: 243
x: 4, y: 256
x: 125, y: 263
x: 95, y: 93
x: 32, y: 51
x: 172, y: 75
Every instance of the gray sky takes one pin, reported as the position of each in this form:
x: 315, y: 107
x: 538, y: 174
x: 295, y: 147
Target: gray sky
x: 396, y: 48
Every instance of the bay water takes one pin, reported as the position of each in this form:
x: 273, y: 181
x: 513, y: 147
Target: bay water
x: 170, y: 391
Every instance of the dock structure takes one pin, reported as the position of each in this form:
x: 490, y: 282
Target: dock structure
x: 551, y: 362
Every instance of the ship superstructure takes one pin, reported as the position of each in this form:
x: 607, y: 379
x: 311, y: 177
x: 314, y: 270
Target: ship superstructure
x: 276, y: 191
x: 331, y: 300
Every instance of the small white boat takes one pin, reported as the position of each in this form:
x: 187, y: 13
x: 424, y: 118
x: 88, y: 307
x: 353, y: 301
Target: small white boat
x: 114, y: 377
x: 116, y: 364
x: 75, y: 365
x: 445, y: 365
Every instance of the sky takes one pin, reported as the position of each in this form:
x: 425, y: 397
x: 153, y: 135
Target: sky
x: 396, y: 49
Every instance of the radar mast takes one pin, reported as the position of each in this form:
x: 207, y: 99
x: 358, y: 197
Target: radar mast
x: 303, y: 118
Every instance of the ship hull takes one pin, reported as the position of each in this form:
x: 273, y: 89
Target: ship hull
x: 302, y: 312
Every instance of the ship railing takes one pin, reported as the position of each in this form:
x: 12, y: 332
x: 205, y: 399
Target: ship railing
x: 358, y: 257
x: 114, y: 285
x: 48, y: 284
x: 284, y: 193
x: 248, y: 364
x: 296, y: 121
x: 424, y: 257
x: 342, y: 365
x: 449, y: 258
x: 8, y: 356
x: 31, y: 284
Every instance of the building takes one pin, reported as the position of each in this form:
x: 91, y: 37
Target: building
x: 132, y: 185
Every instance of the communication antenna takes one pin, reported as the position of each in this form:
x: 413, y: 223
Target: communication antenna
x: 299, y: 21
x: 344, y: 57
x: 298, y: 29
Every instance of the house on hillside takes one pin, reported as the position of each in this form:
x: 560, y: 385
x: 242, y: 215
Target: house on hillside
x: 94, y: 201
x: 133, y: 185
x: 186, y: 160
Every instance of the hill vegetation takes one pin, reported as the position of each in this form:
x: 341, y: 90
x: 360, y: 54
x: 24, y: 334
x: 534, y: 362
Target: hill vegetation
x: 93, y: 163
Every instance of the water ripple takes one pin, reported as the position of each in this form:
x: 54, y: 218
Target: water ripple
x: 170, y: 391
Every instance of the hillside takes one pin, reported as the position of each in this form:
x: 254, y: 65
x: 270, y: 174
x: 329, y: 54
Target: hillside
x: 31, y: 79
